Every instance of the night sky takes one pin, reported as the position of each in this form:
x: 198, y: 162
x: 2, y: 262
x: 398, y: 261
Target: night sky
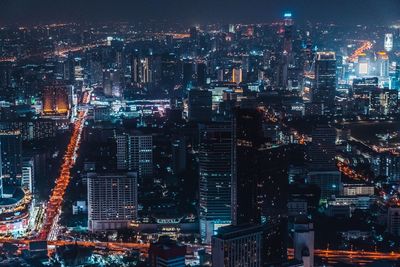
x: 199, y: 11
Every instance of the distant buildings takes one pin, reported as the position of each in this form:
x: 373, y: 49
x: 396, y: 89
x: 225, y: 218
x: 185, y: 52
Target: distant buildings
x: 112, y: 200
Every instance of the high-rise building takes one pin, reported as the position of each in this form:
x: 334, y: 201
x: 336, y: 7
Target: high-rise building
x: 216, y: 173
x: 393, y: 221
x: 10, y: 158
x: 200, y: 105
x: 237, y: 75
x: 167, y: 253
x: 57, y: 99
x: 112, y: 200
x: 178, y: 148
x: 135, y: 153
x: 141, y: 70
x: 322, y: 169
x: 388, y: 43
x: 325, y: 81
x: 112, y: 82
x: 237, y: 246
x: 303, y: 241
x: 28, y: 172
x: 249, y: 136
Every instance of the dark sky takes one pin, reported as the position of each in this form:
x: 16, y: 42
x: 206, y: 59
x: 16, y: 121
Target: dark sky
x: 199, y: 11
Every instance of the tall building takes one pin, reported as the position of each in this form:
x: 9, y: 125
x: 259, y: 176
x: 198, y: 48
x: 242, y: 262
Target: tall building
x: 237, y: 246
x: 141, y: 70
x: 215, y: 172
x: 388, y: 43
x: 167, y: 253
x: 178, y: 149
x: 248, y: 136
x: 57, y: 99
x: 303, y: 242
x: 135, y: 153
x: 10, y: 158
x: 237, y: 75
x: 200, y: 105
x: 322, y: 169
x: 112, y: 200
x: 324, y: 89
x: 28, y: 172
x: 393, y: 221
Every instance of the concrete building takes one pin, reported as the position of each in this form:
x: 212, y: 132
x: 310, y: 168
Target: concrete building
x: 112, y: 200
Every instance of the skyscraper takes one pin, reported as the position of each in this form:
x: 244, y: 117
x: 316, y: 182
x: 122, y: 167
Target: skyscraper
x: 10, y: 158
x: 322, y: 169
x: 135, y: 153
x: 215, y: 172
x: 324, y: 89
x: 303, y: 241
x: 112, y: 200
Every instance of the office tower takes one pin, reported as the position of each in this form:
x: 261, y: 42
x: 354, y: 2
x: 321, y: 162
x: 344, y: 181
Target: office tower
x: 393, y: 221
x: 382, y: 64
x: 167, y: 253
x: 199, y: 105
x: 237, y: 75
x: 28, y: 172
x: 112, y: 83
x: 248, y: 135
x: 215, y: 173
x: 10, y: 158
x: 57, y: 99
x: 388, y: 43
x: 303, y: 241
x: 237, y: 246
x: 178, y: 148
x: 287, y: 58
x: 322, y: 170
x: 324, y: 89
x: 141, y: 70
x: 135, y: 153
x: 112, y: 200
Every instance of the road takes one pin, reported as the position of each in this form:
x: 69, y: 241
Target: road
x: 54, y: 204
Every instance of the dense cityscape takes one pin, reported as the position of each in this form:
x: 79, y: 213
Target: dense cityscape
x: 158, y: 143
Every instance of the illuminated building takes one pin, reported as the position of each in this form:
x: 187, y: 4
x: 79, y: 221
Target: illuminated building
x: 167, y: 253
x: 10, y: 158
x: 324, y: 89
x: 135, y: 153
x: 237, y: 75
x: 303, y: 241
x: 238, y: 246
x: 382, y: 63
x: 215, y: 172
x: 141, y: 70
x: 15, y: 205
x: 112, y: 82
x: 57, y: 99
x: 112, y: 200
x: 364, y: 65
x: 388, y: 43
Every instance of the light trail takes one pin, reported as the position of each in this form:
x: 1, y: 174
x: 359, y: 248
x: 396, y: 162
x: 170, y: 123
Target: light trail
x: 366, y: 45
x: 53, y: 209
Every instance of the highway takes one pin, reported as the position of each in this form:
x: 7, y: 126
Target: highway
x: 366, y: 45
